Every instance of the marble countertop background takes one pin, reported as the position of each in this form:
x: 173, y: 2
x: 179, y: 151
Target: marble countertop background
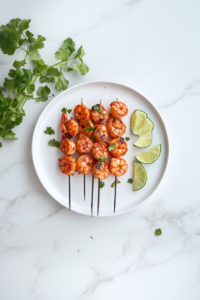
x: 46, y: 251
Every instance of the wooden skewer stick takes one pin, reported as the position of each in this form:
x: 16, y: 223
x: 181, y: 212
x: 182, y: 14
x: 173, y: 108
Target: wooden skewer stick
x: 115, y: 192
x: 84, y: 190
x: 69, y: 176
x: 92, y: 195
x: 98, y: 201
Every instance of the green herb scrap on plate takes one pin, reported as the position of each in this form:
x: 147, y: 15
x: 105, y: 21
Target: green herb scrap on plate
x: 20, y: 84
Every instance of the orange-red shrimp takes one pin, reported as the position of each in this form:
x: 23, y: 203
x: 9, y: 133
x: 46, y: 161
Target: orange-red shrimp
x: 116, y: 127
x: 101, y: 170
x: 67, y: 147
x: 100, y: 149
x: 118, y: 109
x: 69, y: 129
x: 119, y: 147
x: 118, y: 166
x: 84, y: 144
x: 99, y: 114
x: 84, y: 164
x: 67, y: 165
x: 82, y: 113
x: 86, y: 128
x: 101, y: 132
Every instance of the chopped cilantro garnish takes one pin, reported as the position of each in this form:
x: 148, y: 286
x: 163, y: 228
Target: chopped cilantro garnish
x: 102, y: 184
x: 158, y: 231
x: 127, y: 139
x: 91, y: 237
x: 112, y: 147
x: 87, y: 123
x: 103, y: 115
x: 101, y: 159
x: 69, y: 111
x: 113, y: 184
x: 64, y: 110
x: 97, y: 108
x: 87, y: 129
x: 49, y: 130
x: 130, y: 180
x: 0, y: 145
x: 53, y: 143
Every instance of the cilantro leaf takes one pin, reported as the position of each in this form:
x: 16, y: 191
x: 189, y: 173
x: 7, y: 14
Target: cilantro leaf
x: 97, y: 108
x: 62, y: 54
x: 22, y: 78
x: 39, y: 67
x: 9, y: 135
x: 69, y: 111
x: 127, y: 139
x: 101, y: 159
x: 80, y: 53
x: 111, y: 147
x: 69, y: 44
x: 60, y: 82
x: 82, y: 68
x: 33, y: 49
x: 19, y: 64
x: 30, y: 36
x: 49, y: 131
x: 87, y: 129
x: 158, y: 232
x: 68, y: 69
x: 24, y: 24
x: 12, y: 73
x: 130, y: 180
x: 64, y: 110
x: 87, y: 123
x: 0, y: 145
x: 102, y: 184
x: 91, y: 237
x: 113, y: 184
x: 9, y: 41
x: 54, y: 143
x: 43, y: 93
x: 103, y: 115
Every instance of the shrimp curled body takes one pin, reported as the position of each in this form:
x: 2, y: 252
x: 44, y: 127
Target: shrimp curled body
x: 99, y: 116
x: 120, y: 147
x: 116, y: 127
x: 67, y: 165
x: 67, y: 147
x: 82, y: 113
x: 84, y: 164
x: 118, y: 166
x: 101, y: 132
x: 118, y: 109
x: 100, y: 149
x: 101, y: 170
x: 84, y: 144
x: 69, y: 129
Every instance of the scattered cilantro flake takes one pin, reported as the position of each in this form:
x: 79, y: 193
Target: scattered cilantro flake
x: 64, y: 110
x: 127, y: 139
x: 91, y: 237
x: 54, y: 143
x: 87, y: 123
x: 112, y: 147
x: 101, y: 159
x: 102, y: 184
x: 113, y: 184
x: 52, y: 95
x: 0, y: 145
x: 69, y: 111
x: 103, y: 115
x: 78, y: 250
x: 158, y: 231
x: 49, y: 130
x: 130, y: 180
x: 97, y: 108
x: 87, y: 129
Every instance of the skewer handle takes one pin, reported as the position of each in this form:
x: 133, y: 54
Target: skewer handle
x: 69, y: 192
x: 84, y: 186
x: 92, y: 195
x: 115, y: 197
x: 98, y: 202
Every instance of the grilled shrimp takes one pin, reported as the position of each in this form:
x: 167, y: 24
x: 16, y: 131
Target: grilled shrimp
x: 84, y: 164
x: 82, y: 113
x: 83, y: 128
x: 118, y: 166
x: 118, y: 109
x: 116, y: 127
x: 120, y: 147
x: 67, y: 165
x: 67, y: 146
x: 84, y: 144
x: 100, y: 149
x: 101, y: 132
x: 99, y: 116
x: 68, y: 128
x: 101, y: 170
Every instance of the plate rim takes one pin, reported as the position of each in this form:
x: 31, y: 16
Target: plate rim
x: 106, y: 82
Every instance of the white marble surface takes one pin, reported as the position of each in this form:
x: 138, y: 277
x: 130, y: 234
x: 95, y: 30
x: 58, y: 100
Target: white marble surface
x: 152, y: 46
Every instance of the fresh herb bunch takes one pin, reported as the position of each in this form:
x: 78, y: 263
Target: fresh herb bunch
x: 20, y: 85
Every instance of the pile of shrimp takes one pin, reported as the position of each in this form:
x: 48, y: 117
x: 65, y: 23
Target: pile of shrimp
x: 88, y: 126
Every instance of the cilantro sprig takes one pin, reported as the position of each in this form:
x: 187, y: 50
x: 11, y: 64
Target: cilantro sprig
x: 158, y: 232
x: 19, y: 86
x: 102, y: 184
x: 64, y: 110
x: 54, y: 143
x: 130, y: 180
x: 112, y: 147
x: 113, y: 184
x: 49, y: 130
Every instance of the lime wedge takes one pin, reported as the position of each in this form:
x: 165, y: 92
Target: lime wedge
x: 140, y: 124
x: 150, y: 156
x: 144, y: 141
x: 139, y: 176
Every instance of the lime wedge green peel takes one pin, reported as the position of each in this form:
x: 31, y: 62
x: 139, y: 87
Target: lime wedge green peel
x: 139, y: 176
x: 150, y: 156
x: 144, y: 141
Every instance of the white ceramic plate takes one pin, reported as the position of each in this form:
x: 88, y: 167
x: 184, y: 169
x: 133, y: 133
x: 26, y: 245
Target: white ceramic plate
x: 45, y: 157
